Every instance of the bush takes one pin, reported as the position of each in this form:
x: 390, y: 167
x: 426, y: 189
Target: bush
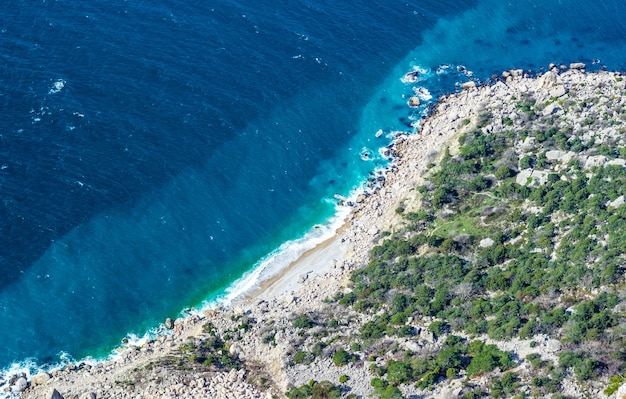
x: 325, y: 390
x: 535, y: 360
x: 343, y: 379
x: 341, y: 358
x: 301, y: 357
x: 303, y: 322
x: 315, y: 390
x: 438, y: 328
x: 503, y: 172
x: 399, y: 372
x: 486, y: 358
x: 391, y: 392
x: 614, y: 383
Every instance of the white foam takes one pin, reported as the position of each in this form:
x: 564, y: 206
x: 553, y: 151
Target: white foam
x: 416, y: 74
x: 26, y: 368
x: 422, y: 93
x: 282, y: 257
x: 442, y: 69
x: 366, y: 154
x: 57, y: 86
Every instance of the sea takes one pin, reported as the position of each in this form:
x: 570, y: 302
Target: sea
x: 160, y: 156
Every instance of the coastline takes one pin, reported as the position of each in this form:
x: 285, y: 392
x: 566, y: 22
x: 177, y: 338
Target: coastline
x: 326, y: 266
x: 288, y: 292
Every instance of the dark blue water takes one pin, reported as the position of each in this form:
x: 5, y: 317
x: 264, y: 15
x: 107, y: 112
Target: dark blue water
x: 151, y: 153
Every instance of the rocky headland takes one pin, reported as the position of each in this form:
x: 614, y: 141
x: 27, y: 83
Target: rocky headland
x: 304, y: 327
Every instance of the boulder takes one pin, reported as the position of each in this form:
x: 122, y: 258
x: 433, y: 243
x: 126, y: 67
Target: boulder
x: 414, y: 102
x: 88, y: 395
x: 169, y: 324
x: 486, y: 242
x: 40, y: 379
x: 551, y: 109
x: 577, y: 65
x: 595, y: 160
x: 468, y: 85
x: 558, y: 91
x: 235, y: 349
x: 21, y: 384
x: 619, y: 201
x: 548, y: 80
x: 553, y: 345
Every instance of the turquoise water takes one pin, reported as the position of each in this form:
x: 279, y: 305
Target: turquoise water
x: 151, y: 155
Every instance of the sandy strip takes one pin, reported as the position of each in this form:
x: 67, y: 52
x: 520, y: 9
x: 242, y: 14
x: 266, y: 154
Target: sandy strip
x: 314, y: 263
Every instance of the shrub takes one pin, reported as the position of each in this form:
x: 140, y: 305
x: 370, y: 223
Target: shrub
x: 526, y: 162
x: 391, y: 392
x: 503, y: 172
x: 399, y: 372
x: 343, y: 379
x: 486, y: 358
x: 438, y: 328
x: 303, y: 322
x: 534, y: 359
x: 301, y: 357
x: 614, y: 383
x: 326, y: 390
x: 341, y: 358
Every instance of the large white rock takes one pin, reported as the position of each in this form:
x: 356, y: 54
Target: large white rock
x: 485, y: 242
x: 40, y: 379
x: 596, y: 160
x: 21, y: 384
x: 468, y: 85
x: 577, y: 65
x: 617, y: 161
x: 558, y: 91
x: 619, y: 201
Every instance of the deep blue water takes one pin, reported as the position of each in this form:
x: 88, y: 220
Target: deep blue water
x: 151, y: 153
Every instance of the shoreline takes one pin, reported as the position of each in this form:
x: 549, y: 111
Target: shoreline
x: 290, y: 278
x: 286, y: 293
x: 282, y: 283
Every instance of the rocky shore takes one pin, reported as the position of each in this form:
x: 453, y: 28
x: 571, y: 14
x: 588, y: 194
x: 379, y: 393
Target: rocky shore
x: 266, y: 342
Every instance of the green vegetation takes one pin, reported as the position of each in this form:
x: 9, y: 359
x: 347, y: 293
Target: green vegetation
x: 315, y: 390
x: 341, y: 358
x: 484, y: 255
x: 211, y: 352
